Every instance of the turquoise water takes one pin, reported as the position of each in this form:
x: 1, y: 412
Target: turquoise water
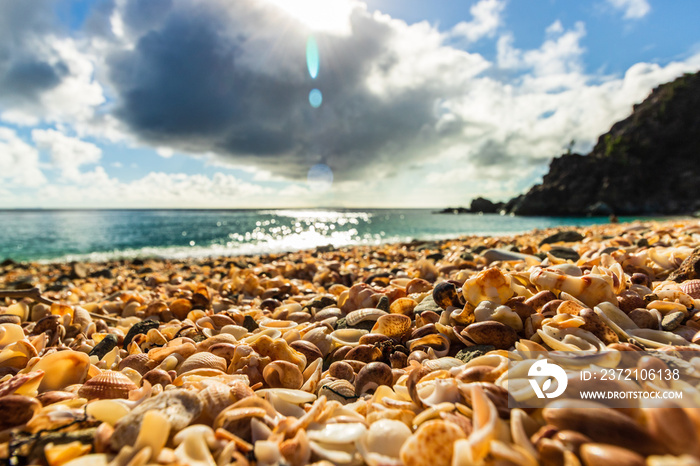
x: 111, y: 234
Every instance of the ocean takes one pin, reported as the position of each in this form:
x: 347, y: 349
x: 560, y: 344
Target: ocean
x: 100, y: 235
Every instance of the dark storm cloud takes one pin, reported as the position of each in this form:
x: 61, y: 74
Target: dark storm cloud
x: 231, y: 79
x: 24, y: 73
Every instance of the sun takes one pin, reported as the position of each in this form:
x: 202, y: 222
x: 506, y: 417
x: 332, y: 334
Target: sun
x: 331, y: 16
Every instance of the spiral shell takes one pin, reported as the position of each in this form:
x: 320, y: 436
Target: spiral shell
x: 203, y: 360
x: 283, y: 374
x: 107, y: 385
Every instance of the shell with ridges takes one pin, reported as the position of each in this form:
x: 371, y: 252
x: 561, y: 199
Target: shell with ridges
x: 203, y: 360
x: 691, y: 288
x: 360, y: 315
x: 107, y: 385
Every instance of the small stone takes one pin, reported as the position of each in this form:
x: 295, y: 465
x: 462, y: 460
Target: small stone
x: 672, y: 321
x: 249, y: 323
x: 141, y: 327
x: 568, y: 236
x: 105, y: 346
x: 471, y: 352
x: 564, y: 253
x: 492, y: 255
x: 428, y: 304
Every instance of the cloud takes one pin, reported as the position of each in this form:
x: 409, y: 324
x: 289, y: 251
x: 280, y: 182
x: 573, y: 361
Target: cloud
x: 634, y: 9
x: 67, y: 154
x: 486, y: 20
x: 19, y: 161
x: 220, y: 79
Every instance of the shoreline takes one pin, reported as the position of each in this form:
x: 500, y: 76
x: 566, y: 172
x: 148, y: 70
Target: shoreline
x: 373, y: 337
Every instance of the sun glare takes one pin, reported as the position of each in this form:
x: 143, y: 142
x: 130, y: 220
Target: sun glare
x: 332, y: 16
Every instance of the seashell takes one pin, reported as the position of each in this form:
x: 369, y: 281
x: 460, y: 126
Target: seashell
x: 17, y: 410
x: 431, y: 444
x: 657, y: 338
x: 674, y: 428
x: 19, y: 309
x: 297, y: 450
x: 341, y: 370
x: 140, y: 362
x: 184, y: 350
x: 215, y: 398
x: 337, y: 454
x: 339, y: 390
x: 346, y: 432
x: 107, y: 385
x: 320, y: 338
x: 364, y: 353
x: 404, y: 306
x: 629, y: 300
x: 382, y: 442
x: 440, y: 391
x: 283, y: 374
x: 235, y: 331
x: 290, y: 395
x: 278, y: 349
x: 193, y: 449
x: 392, y: 325
x: 49, y: 398
x: 17, y: 354
x: 600, y: 454
x: 691, y: 288
x: 223, y: 350
x: 10, y: 333
x: 591, y: 289
x: 360, y: 315
x: 180, y: 407
x: 445, y: 295
x: 155, y: 429
x: 570, y: 339
x: 237, y: 419
x: 137, y: 329
x: 372, y: 376
x: 595, y: 325
x: 491, y: 333
x: 601, y: 424
x: 488, y: 310
x: 308, y: 349
x: 62, y: 369
x: 312, y: 375
x: 348, y: 336
x: 439, y: 343
x: 158, y: 376
x: 63, y: 453
x: 109, y: 411
x: 541, y: 298
x: 202, y: 360
x: 487, y: 285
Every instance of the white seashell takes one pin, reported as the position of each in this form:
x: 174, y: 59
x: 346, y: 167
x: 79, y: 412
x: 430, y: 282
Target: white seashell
x: 336, y: 453
x: 444, y: 363
x: 109, y: 411
x: 568, y: 269
x: 338, y: 433
x: 288, y: 394
x: 439, y: 391
x: 270, y: 332
x: 360, y: 315
x: 96, y: 459
x: 193, y: 451
x: 312, y: 375
x: 284, y: 407
x: 268, y: 453
x: 235, y: 330
x: 488, y: 310
x: 614, y: 314
x: 320, y: 338
x: 281, y: 325
x: 570, y: 339
x: 382, y: 443
x: 348, y: 336
x: 657, y: 338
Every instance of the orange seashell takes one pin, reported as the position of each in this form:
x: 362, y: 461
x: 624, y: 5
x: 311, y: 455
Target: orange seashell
x: 107, y: 385
x: 181, y: 307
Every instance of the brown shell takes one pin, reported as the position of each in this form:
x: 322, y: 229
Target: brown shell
x: 107, y: 385
x: 140, y: 362
x: 203, y: 360
x: 56, y: 396
x: 16, y: 410
x: 691, y: 288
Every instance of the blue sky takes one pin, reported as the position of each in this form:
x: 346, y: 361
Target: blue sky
x: 184, y: 103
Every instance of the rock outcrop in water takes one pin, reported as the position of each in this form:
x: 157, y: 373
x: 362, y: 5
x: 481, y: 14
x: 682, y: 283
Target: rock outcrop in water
x: 648, y: 163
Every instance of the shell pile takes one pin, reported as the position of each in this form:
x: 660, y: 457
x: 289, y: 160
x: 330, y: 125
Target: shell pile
x: 380, y: 355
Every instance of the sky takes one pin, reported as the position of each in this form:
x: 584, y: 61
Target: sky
x: 316, y: 103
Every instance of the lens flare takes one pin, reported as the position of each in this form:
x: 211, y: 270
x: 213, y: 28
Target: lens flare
x: 312, y: 57
x: 315, y: 98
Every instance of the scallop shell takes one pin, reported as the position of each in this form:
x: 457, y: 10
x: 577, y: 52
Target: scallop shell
x: 691, y: 288
x: 203, y: 360
x: 431, y: 444
x: 360, y: 315
x: 107, y: 385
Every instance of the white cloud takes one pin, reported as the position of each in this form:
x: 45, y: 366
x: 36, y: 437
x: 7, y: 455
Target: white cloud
x: 634, y: 9
x: 19, y: 162
x: 67, y: 154
x: 486, y: 20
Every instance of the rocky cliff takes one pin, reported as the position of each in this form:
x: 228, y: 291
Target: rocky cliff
x: 648, y: 163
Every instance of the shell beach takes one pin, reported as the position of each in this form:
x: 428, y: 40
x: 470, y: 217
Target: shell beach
x: 382, y: 355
